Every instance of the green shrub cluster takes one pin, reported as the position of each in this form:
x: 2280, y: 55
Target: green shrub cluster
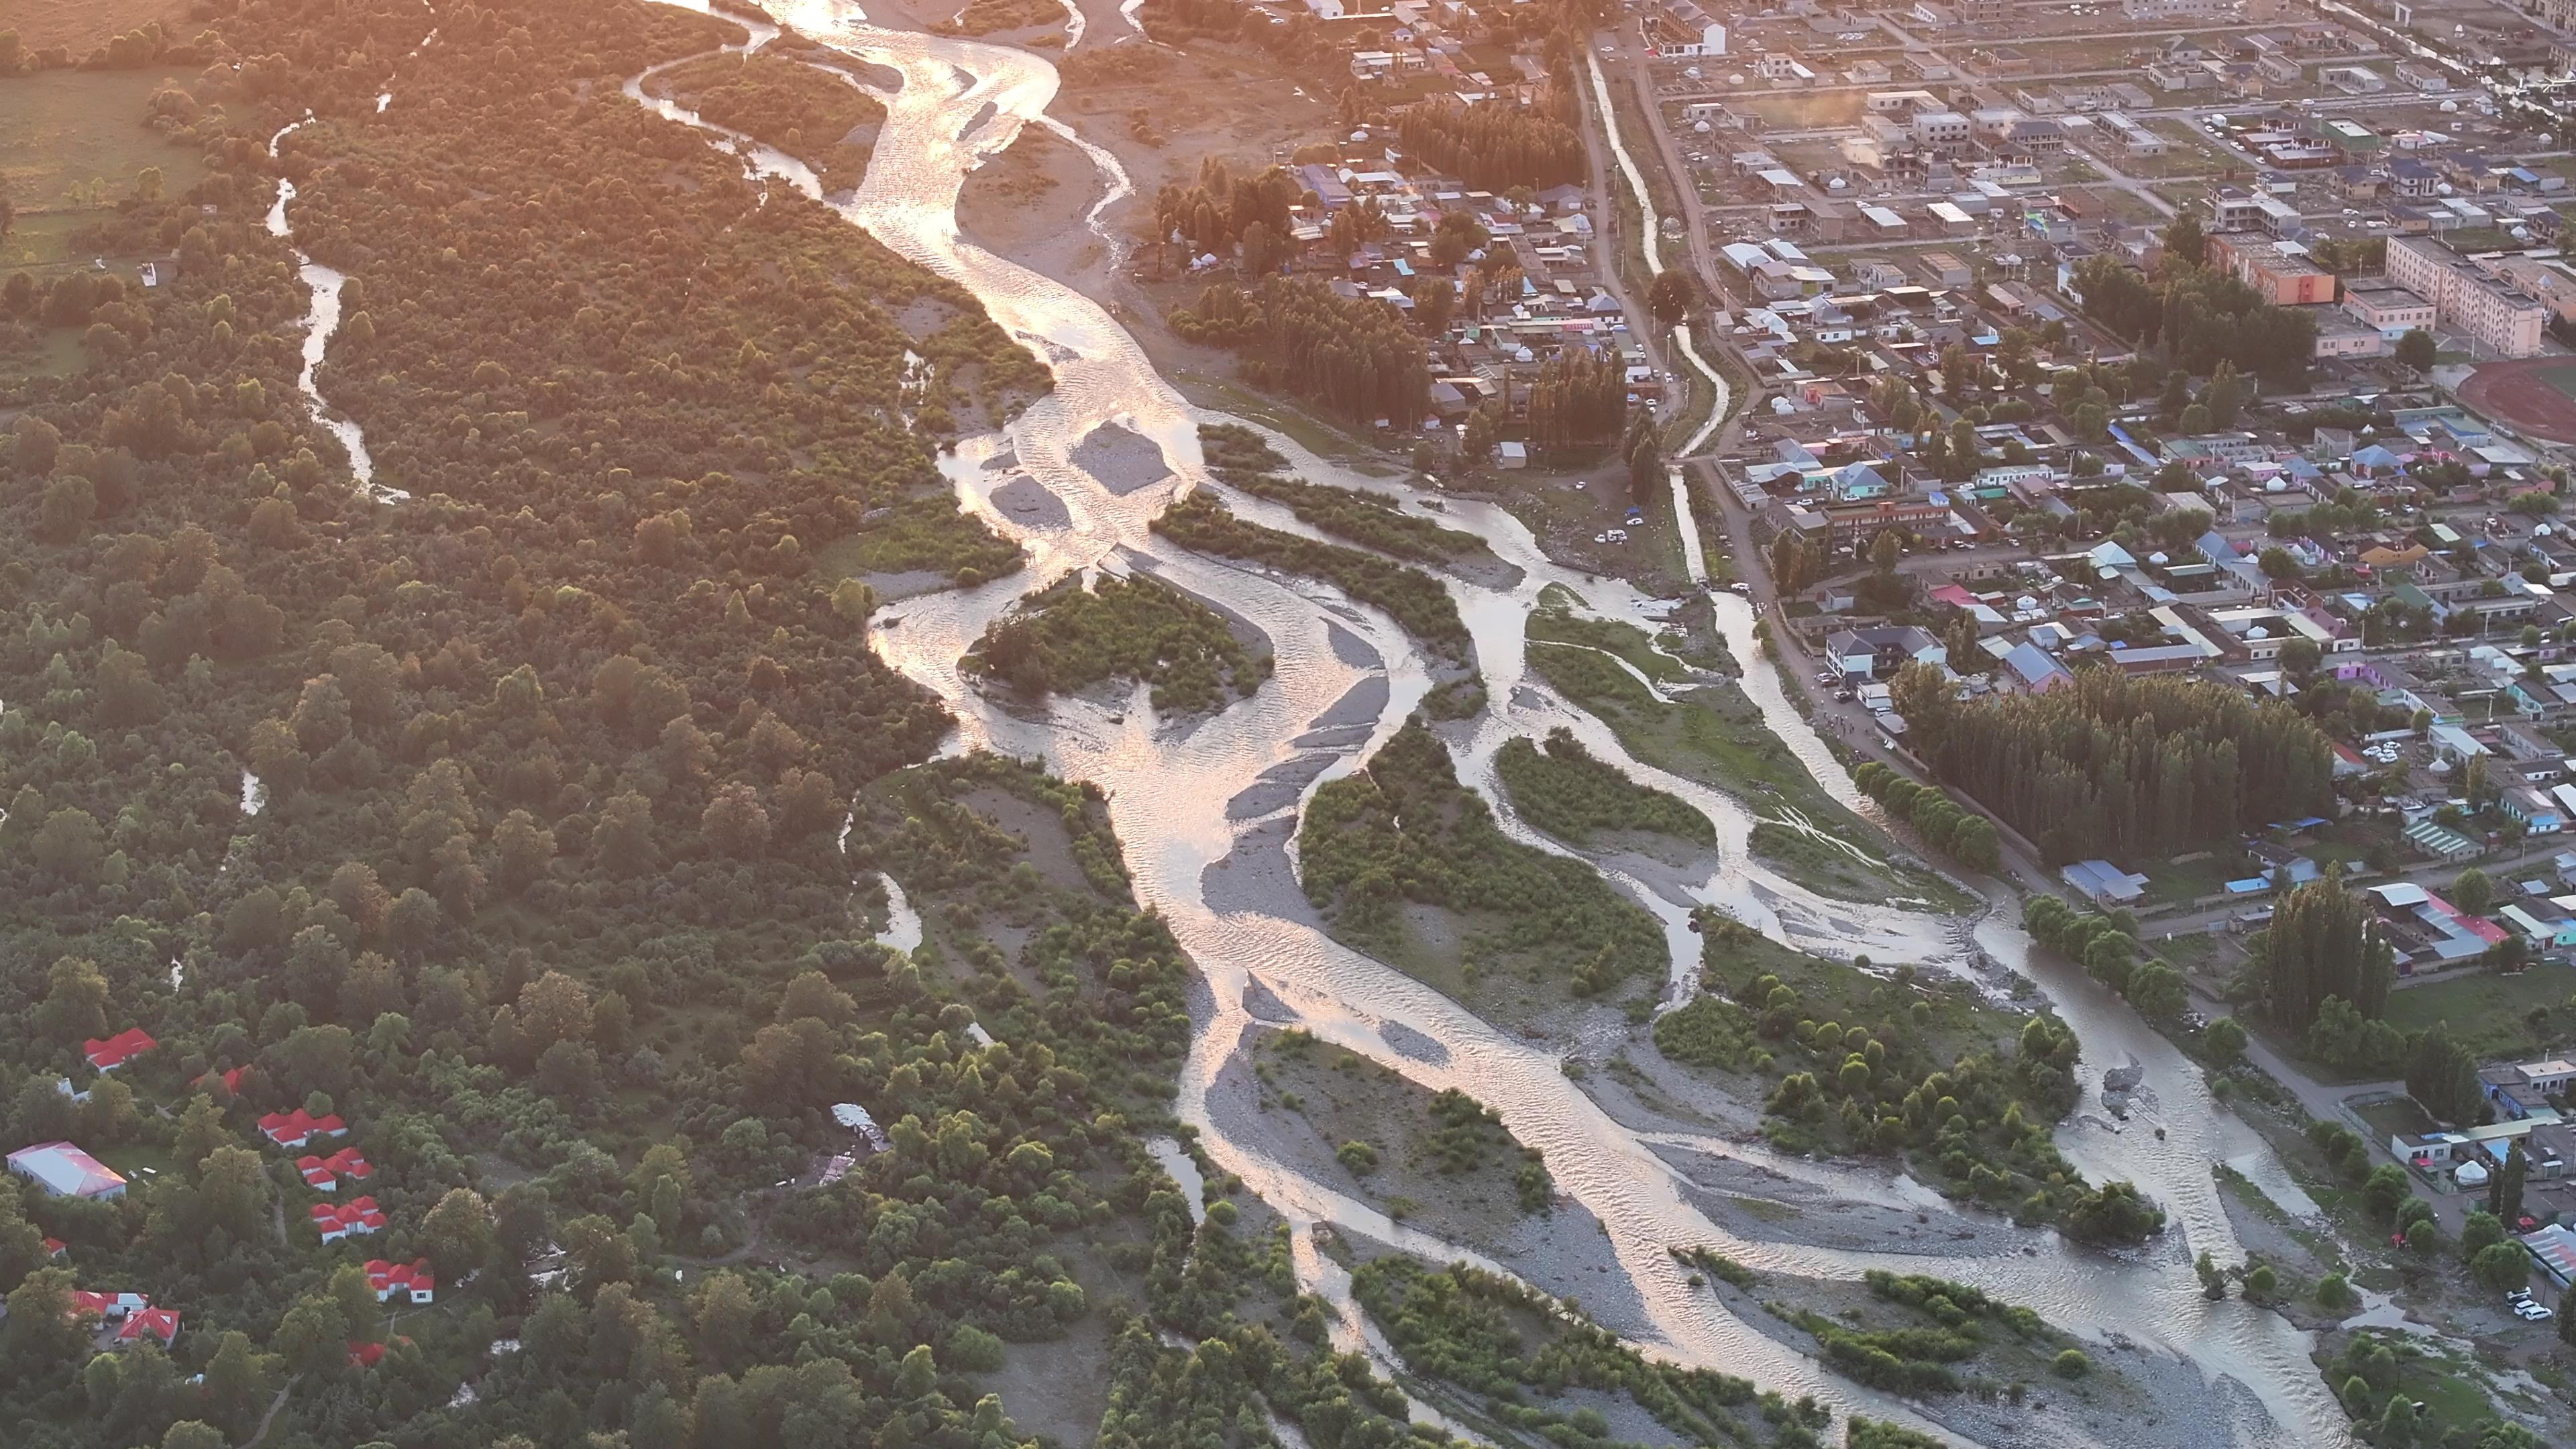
x: 1403, y: 829
x: 1562, y: 789
x: 1967, y: 837
x: 1241, y: 458
x: 1414, y: 599
x: 1137, y: 628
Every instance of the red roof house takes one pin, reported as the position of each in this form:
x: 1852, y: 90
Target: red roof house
x: 296, y: 1128
x: 56, y: 1247
x: 108, y: 1305
x: 231, y: 1077
x: 142, y: 1323
x: 414, y: 1279
x: 365, y: 1355
x: 119, y: 1049
x: 350, y: 1219
x: 325, y: 1174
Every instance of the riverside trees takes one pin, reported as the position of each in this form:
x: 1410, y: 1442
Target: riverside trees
x: 2118, y: 766
x: 1493, y: 146
x: 1353, y: 355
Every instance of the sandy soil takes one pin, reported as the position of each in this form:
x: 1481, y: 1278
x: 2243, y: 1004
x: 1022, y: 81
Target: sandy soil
x: 1123, y: 460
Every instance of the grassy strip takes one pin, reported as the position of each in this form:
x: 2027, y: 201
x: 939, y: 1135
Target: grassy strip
x: 1070, y: 637
x: 1241, y: 459
x: 1564, y: 791
x: 1411, y: 597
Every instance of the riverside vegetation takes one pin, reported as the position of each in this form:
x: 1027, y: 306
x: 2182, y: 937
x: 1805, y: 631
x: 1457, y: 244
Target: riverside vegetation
x: 1070, y: 637
x: 1562, y: 789
x: 541, y: 891
x: 1498, y: 1353
x: 1403, y: 837
x: 1389, y: 1128
x: 1850, y: 1062
x: 811, y: 112
x: 1241, y: 458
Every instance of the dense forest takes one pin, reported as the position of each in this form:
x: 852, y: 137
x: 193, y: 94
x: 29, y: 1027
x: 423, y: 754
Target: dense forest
x: 2322, y: 945
x: 1493, y: 146
x: 1353, y: 356
x: 813, y: 113
x: 1222, y: 207
x: 1579, y: 396
x: 1404, y: 830
x: 1563, y: 789
x: 2112, y: 765
x: 1069, y: 637
x: 1239, y: 458
x: 501, y: 822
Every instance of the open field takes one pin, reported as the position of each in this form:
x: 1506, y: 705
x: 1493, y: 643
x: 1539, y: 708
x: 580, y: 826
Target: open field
x: 2489, y: 1012
x: 71, y: 144
x: 81, y: 26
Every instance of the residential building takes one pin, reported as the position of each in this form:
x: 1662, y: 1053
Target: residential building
x: 66, y: 1171
x: 1866, y: 654
x: 412, y: 1281
x: 1940, y: 130
x: 2550, y: 279
x: 2133, y: 137
x: 354, y: 1218
x: 2380, y: 303
x: 2494, y: 314
x: 117, y: 1050
x: 295, y: 1129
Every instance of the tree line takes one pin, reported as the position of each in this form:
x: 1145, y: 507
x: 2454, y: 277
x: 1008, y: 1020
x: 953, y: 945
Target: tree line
x: 2198, y: 316
x: 1353, y: 356
x: 2114, y: 765
x: 1493, y: 146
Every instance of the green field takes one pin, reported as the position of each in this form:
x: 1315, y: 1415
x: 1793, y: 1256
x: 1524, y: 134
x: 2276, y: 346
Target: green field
x: 2562, y: 378
x: 2394, y: 1118
x: 2489, y: 1013
x: 71, y: 144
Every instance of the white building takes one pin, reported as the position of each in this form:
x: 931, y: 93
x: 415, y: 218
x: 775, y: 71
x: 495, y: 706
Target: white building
x: 66, y: 1171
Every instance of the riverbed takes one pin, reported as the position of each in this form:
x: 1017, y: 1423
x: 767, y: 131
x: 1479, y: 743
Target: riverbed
x: 1346, y: 678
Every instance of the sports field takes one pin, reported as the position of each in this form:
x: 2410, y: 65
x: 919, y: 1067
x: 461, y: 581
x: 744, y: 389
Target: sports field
x: 2535, y: 395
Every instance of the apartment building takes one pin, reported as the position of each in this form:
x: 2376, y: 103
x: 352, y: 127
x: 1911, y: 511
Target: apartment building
x: 2381, y: 303
x: 2550, y: 279
x: 2466, y: 299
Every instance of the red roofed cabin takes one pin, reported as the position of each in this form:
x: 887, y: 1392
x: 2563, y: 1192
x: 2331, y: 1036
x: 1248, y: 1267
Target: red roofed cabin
x: 324, y: 1174
x: 108, y: 1305
x: 156, y: 1323
x: 353, y: 1218
x: 413, y: 1279
x: 296, y: 1128
x: 119, y: 1049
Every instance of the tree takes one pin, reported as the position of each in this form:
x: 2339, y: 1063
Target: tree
x: 456, y: 1234
x: 2418, y: 350
x: 2501, y: 1266
x: 1670, y: 296
x: 2504, y: 1193
x: 2481, y: 1230
x: 2473, y: 891
x: 76, y: 1000
x: 735, y: 821
x: 2322, y: 944
x: 2225, y: 1039
x: 2185, y: 239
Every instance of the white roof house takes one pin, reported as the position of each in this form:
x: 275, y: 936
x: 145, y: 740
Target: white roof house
x: 66, y: 1171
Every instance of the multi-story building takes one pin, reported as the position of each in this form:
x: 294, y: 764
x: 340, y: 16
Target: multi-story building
x: 2550, y: 279
x: 2466, y: 298
x: 1940, y: 130
x: 2381, y: 303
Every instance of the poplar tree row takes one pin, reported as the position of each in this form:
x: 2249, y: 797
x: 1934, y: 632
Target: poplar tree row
x: 2110, y: 765
x: 1353, y: 355
x: 1493, y: 146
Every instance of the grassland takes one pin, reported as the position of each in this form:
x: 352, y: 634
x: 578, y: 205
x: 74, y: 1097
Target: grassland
x: 71, y: 146
x: 2490, y: 1013
x: 82, y: 26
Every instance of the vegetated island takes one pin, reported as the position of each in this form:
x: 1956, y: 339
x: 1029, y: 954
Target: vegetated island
x: 1241, y: 458
x: 807, y: 108
x: 1414, y: 599
x: 1071, y: 637
x: 1409, y: 865
x: 1441, y: 1160
x: 1990, y: 1370
x: 1561, y: 788
x: 1712, y: 734
x: 1847, y: 1062
x: 1519, y: 1367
